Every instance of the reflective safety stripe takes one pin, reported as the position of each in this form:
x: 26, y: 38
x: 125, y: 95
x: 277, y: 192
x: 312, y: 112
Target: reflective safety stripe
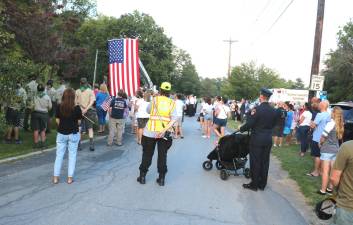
x: 160, y: 118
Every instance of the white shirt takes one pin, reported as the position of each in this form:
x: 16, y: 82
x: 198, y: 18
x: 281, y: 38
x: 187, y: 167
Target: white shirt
x: 307, y: 118
x: 142, y: 108
x: 179, y: 107
x: 60, y: 92
x: 192, y: 101
x: 207, y: 109
x: 223, y: 111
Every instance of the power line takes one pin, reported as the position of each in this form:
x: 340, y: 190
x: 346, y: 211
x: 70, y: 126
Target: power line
x: 262, y: 11
x: 274, y: 23
x: 279, y: 17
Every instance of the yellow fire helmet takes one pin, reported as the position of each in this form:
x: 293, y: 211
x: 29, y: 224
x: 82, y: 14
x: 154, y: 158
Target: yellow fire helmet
x: 166, y: 86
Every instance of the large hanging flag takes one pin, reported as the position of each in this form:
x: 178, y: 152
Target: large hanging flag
x: 124, y: 70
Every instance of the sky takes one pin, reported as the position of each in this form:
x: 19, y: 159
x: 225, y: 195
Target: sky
x: 201, y: 26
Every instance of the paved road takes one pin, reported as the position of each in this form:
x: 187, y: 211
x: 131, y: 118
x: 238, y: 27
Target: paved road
x: 106, y: 191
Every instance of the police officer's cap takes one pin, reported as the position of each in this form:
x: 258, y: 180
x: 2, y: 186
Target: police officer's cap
x: 265, y: 92
x: 324, y: 209
x: 166, y: 86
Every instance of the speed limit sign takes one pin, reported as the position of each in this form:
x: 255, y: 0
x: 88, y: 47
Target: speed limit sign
x: 317, y: 83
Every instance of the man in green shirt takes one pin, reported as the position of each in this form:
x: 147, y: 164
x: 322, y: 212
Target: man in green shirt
x: 342, y: 177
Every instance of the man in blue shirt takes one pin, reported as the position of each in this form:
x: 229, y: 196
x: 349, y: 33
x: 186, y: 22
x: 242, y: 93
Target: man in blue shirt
x: 116, y: 120
x: 321, y: 119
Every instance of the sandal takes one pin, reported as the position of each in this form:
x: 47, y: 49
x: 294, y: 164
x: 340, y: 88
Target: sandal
x: 55, y: 179
x: 320, y: 192
x: 70, y: 180
x: 311, y: 175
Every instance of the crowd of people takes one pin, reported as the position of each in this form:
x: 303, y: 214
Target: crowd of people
x: 313, y: 126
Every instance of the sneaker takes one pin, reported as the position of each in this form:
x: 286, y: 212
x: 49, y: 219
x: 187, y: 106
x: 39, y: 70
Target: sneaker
x: 36, y: 145
x: 119, y: 144
x: 91, y: 147
x: 274, y: 145
x: 44, y: 144
x: 204, y: 136
x: 7, y: 141
x: 18, y: 142
x: 320, y: 192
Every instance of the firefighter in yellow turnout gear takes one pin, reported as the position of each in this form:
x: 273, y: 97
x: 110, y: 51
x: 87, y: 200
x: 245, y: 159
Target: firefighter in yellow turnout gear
x: 162, y: 117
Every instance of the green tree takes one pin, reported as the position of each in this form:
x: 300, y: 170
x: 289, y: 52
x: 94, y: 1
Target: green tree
x: 298, y: 84
x: 339, y: 67
x: 246, y: 80
x: 210, y: 87
x: 155, y: 47
x: 184, y: 76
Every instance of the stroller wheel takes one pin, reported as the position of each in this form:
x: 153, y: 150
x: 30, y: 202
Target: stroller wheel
x: 219, y: 165
x: 207, y: 165
x: 247, y: 173
x: 223, y: 174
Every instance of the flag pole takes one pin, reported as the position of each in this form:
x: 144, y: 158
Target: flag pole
x: 145, y: 74
x: 95, y: 68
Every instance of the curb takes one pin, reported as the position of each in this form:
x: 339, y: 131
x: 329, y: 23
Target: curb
x: 42, y: 151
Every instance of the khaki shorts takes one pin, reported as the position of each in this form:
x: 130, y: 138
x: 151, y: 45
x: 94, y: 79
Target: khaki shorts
x: 91, y: 114
x: 179, y: 121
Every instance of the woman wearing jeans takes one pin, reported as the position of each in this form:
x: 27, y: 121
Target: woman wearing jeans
x: 303, y: 130
x: 68, y: 117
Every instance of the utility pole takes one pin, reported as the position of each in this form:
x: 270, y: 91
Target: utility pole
x: 317, y: 43
x: 230, y: 41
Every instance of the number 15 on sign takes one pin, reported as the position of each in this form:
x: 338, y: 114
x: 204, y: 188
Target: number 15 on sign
x: 317, y: 83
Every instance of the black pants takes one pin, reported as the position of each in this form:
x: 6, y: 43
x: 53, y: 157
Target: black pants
x: 259, y: 164
x: 148, y: 146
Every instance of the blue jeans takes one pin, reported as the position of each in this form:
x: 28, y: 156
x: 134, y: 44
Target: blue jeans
x: 63, y: 142
x: 101, y: 115
x: 304, y: 137
x: 342, y: 217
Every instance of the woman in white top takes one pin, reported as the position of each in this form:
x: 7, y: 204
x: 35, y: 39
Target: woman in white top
x: 304, y: 128
x: 222, y: 112
x: 142, y: 116
x: 207, y: 110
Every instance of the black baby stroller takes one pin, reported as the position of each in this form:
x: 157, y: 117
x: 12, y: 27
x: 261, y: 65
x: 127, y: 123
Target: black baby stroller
x: 231, y: 155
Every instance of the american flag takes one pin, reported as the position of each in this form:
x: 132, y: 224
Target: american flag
x: 106, y: 104
x: 124, y: 70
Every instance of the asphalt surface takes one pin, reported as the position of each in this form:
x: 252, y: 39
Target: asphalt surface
x: 105, y: 190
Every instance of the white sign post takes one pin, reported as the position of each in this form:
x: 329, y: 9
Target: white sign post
x: 317, y: 83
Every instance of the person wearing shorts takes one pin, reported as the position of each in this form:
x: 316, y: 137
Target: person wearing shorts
x: 85, y: 98
x: 221, y: 114
x: 318, y: 125
x: 142, y: 116
x: 179, y: 107
x: 329, y: 143
x: 13, y: 115
x: 279, y: 128
x: 39, y: 117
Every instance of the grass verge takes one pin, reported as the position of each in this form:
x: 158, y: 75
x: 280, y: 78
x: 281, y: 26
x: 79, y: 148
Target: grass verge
x: 11, y: 150
x: 297, y: 168
x: 233, y: 124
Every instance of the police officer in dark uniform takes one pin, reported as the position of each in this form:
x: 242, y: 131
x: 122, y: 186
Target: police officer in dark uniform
x: 260, y: 122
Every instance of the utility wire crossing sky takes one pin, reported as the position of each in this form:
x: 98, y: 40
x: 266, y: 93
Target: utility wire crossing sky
x: 277, y: 33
